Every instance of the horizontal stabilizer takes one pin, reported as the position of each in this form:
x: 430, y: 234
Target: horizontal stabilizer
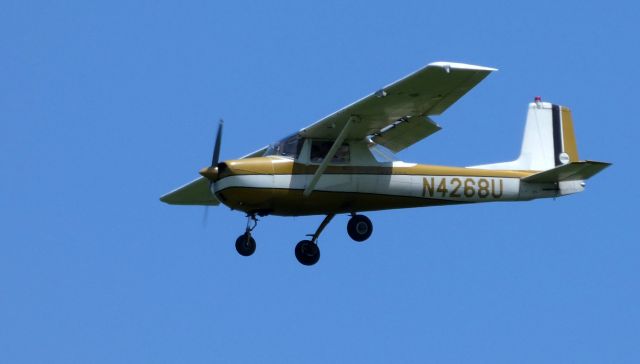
x: 574, y: 171
x: 193, y: 193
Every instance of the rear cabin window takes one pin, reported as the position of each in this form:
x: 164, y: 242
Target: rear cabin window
x: 319, y: 150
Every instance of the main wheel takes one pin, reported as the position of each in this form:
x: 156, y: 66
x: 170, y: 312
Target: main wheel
x: 307, y: 252
x: 359, y: 228
x: 245, y: 245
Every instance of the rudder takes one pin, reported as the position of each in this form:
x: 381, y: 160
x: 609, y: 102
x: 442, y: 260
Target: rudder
x: 569, y: 145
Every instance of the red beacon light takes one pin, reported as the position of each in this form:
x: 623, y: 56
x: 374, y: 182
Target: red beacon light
x: 537, y: 99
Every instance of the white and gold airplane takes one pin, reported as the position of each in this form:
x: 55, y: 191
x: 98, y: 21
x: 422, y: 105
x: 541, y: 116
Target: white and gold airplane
x: 343, y: 164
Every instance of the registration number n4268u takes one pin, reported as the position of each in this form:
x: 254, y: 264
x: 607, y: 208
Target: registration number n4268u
x: 457, y: 187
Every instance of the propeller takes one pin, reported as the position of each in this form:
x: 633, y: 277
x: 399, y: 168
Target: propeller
x: 216, y: 148
x: 205, y: 216
x: 209, y: 172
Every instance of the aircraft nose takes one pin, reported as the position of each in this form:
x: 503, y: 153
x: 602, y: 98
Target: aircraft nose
x: 210, y: 173
x: 249, y: 166
x: 218, y: 172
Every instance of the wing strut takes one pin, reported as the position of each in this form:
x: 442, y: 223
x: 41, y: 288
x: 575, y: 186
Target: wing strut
x: 334, y: 148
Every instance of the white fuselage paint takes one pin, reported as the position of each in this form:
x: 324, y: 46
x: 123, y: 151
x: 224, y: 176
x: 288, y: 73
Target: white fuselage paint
x: 451, y: 188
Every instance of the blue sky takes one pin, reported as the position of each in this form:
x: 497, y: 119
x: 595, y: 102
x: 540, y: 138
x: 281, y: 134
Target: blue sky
x: 106, y: 106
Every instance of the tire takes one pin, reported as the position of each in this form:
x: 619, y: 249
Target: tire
x: 359, y: 228
x: 245, y: 245
x: 307, y: 252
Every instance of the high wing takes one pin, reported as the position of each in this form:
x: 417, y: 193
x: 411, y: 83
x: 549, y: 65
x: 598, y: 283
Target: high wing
x: 396, y: 116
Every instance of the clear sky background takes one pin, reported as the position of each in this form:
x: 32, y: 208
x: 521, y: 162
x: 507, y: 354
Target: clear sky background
x: 106, y: 106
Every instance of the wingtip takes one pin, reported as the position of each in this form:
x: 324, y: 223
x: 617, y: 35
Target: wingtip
x: 604, y: 164
x: 463, y: 66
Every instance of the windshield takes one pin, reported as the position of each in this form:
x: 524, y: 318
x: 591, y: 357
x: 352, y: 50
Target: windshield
x: 287, y: 147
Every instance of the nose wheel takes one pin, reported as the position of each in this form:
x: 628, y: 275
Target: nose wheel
x: 359, y: 227
x: 246, y: 244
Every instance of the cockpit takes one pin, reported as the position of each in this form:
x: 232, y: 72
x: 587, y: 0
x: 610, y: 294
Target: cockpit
x: 292, y: 147
x: 313, y: 151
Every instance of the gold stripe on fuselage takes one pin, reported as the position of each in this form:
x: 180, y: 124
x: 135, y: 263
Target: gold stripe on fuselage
x: 270, y: 165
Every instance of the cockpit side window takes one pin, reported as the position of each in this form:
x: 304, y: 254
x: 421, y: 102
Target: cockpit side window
x: 320, y: 148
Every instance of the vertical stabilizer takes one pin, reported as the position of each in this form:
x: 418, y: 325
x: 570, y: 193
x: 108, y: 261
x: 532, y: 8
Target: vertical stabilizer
x: 549, y: 139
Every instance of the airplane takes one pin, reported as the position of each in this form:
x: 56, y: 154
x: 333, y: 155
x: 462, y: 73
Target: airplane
x: 344, y: 163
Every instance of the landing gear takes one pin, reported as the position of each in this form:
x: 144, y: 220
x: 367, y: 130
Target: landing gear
x: 359, y: 227
x: 307, y: 251
x: 245, y: 244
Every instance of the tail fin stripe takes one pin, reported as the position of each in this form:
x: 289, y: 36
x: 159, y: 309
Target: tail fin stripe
x: 557, y: 133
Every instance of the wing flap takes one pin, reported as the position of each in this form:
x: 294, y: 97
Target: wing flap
x: 575, y: 171
x: 405, y: 132
x: 193, y: 193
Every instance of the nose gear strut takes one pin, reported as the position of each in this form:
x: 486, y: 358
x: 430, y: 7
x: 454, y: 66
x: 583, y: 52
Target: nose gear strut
x: 245, y: 244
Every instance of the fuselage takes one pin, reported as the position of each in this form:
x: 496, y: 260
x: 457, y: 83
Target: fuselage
x: 274, y: 185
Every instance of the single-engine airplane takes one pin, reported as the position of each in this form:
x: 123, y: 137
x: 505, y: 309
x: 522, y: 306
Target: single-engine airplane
x: 343, y: 163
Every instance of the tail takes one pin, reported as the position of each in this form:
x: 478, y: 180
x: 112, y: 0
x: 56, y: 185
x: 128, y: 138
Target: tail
x: 549, y: 146
x: 549, y: 140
